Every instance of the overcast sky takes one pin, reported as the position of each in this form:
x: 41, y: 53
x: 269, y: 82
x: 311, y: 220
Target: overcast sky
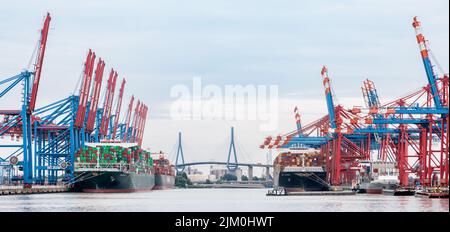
x: 156, y: 45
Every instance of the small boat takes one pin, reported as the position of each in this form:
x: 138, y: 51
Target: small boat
x: 433, y: 193
x: 399, y: 192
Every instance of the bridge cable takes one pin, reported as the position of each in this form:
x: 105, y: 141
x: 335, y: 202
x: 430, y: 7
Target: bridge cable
x: 171, y: 155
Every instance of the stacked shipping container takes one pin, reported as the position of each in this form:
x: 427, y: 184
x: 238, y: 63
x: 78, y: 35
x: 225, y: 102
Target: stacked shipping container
x: 163, y: 166
x: 134, y: 158
x: 300, y: 160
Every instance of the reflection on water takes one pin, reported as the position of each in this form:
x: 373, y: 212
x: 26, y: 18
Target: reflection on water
x: 191, y: 200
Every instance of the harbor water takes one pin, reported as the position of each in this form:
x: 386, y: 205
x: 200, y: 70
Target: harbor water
x: 216, y: 200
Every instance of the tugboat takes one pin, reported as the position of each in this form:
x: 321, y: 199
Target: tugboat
x: 113, y: 168
x: 164, y: 173
x: 300, y: 170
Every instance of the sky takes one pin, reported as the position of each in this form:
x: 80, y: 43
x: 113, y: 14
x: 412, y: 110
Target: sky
x: 157, y: 45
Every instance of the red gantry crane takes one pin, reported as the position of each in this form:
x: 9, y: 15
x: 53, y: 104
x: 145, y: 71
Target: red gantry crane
x: 39, y: 63
x: 19, y: 123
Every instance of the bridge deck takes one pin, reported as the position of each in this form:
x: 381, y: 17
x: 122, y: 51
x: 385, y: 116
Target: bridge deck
x: 224, y: 163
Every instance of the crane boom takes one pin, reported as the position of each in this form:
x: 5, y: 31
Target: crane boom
x: 84, y: 90
x: 128, y: 119
x: 298, y: 121
x: 39, y: 63
x: 118, y: 107
x: 135, y: 119
x: 109, y: 97
x: 111, y: 100
x: 432, y: 79
x: 329, y: 97
x: 138, y: 123
x: 143, y: 122
x: 95, y: 95
x: 370, y: 94
x: 105, y: 103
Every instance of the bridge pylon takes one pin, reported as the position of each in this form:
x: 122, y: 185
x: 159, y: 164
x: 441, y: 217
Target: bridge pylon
x: 232, y: 166
x: 180, y: 156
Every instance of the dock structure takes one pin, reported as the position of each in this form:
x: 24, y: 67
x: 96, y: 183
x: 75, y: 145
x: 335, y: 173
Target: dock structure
x: 283, y: 192
x: 432, y: 195
x: 14, y: 190
x: 235, y: 185
x: 324, y: 193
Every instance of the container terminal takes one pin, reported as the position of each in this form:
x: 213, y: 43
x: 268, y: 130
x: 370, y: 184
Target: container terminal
x: 75, y: 144
x: 410, y: 135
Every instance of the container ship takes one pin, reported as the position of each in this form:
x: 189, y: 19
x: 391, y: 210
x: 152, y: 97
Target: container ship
x: 164, y: 173
x: 113, y: 167
x: 300, y: 170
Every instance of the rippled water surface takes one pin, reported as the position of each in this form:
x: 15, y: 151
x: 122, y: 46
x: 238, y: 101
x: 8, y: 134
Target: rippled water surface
x: 191, y: 200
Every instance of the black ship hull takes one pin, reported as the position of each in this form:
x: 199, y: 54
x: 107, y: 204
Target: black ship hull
x: 113, y: 182
x: 164, y: 182
x: 302, y: 181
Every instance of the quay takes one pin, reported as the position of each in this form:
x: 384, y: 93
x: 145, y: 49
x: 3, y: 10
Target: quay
x: 432, y: 194
x: 14, y: 190
x: 325, y: 193
x: 282, y: 192
x: 231, y: 185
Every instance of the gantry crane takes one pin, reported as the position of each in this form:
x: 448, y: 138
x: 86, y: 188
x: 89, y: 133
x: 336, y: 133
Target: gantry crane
x: 52, y: 134
x: 19, y: 122
x: 413, y: 127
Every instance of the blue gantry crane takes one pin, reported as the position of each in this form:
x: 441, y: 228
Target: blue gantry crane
x: 52, y: 134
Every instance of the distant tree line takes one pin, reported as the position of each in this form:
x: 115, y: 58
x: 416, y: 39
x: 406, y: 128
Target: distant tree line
x: 182, y: 181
